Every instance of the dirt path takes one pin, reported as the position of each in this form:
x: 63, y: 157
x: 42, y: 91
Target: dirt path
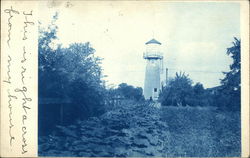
x: 130, y: 130
x: 138, y: 130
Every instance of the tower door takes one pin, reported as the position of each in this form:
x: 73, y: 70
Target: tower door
x: 155, y: 93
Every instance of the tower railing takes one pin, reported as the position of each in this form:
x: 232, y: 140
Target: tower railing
x: 152, y: 55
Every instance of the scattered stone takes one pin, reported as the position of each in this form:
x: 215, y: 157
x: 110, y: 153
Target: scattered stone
x: 141, y: 143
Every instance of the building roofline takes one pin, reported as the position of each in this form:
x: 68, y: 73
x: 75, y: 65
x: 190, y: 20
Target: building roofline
x: 153, y: 41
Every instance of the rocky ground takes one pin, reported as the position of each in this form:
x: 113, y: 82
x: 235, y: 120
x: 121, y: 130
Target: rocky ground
x: 141, y: 130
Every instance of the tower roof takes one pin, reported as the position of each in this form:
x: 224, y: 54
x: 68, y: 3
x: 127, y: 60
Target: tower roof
x: 153, y: 41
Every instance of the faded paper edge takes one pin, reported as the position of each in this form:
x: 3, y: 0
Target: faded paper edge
x: 244, y: 76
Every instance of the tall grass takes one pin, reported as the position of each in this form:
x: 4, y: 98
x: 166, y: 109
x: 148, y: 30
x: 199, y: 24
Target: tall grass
x: 202, y: 132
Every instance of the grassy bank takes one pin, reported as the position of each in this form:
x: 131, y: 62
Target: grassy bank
x: 202, y: 132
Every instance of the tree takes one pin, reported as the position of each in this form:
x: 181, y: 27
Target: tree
x: 130, y: 92
x: 69, y: 75
x: 180, y: 92
x: 199, y: 96
x: 198, y: 89
x: 177, y: 91
x: 229, y: 94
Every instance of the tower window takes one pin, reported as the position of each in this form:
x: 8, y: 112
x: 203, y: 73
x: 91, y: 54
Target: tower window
x: 155, y: 89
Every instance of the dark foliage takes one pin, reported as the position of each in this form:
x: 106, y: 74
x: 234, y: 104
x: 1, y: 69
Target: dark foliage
x: 127, y: 92
x: 130, y: 92
x: 177, y: 91
x: 180, y: 92
x: 69, y: 80
x: 228, y: 97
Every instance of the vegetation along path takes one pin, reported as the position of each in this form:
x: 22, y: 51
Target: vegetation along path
x: 138, y: 129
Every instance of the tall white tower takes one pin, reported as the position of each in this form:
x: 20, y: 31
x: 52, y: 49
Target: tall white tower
x: 154, y: 58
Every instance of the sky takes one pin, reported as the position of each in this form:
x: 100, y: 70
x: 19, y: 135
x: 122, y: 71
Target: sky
x: 194, y: 35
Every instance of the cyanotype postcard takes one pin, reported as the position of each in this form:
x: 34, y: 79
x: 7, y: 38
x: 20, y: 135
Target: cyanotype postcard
x: 124, y: 78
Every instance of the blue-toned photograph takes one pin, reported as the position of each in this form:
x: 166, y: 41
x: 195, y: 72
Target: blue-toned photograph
x: 139, y: 79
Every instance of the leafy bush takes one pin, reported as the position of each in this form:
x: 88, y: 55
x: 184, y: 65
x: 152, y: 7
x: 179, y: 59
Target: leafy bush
x: 70, y: 78
x: 181, y: 92
x: 177, y: 91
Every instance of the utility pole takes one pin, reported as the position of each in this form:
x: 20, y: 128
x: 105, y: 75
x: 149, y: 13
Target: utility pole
x: 166, y: 76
